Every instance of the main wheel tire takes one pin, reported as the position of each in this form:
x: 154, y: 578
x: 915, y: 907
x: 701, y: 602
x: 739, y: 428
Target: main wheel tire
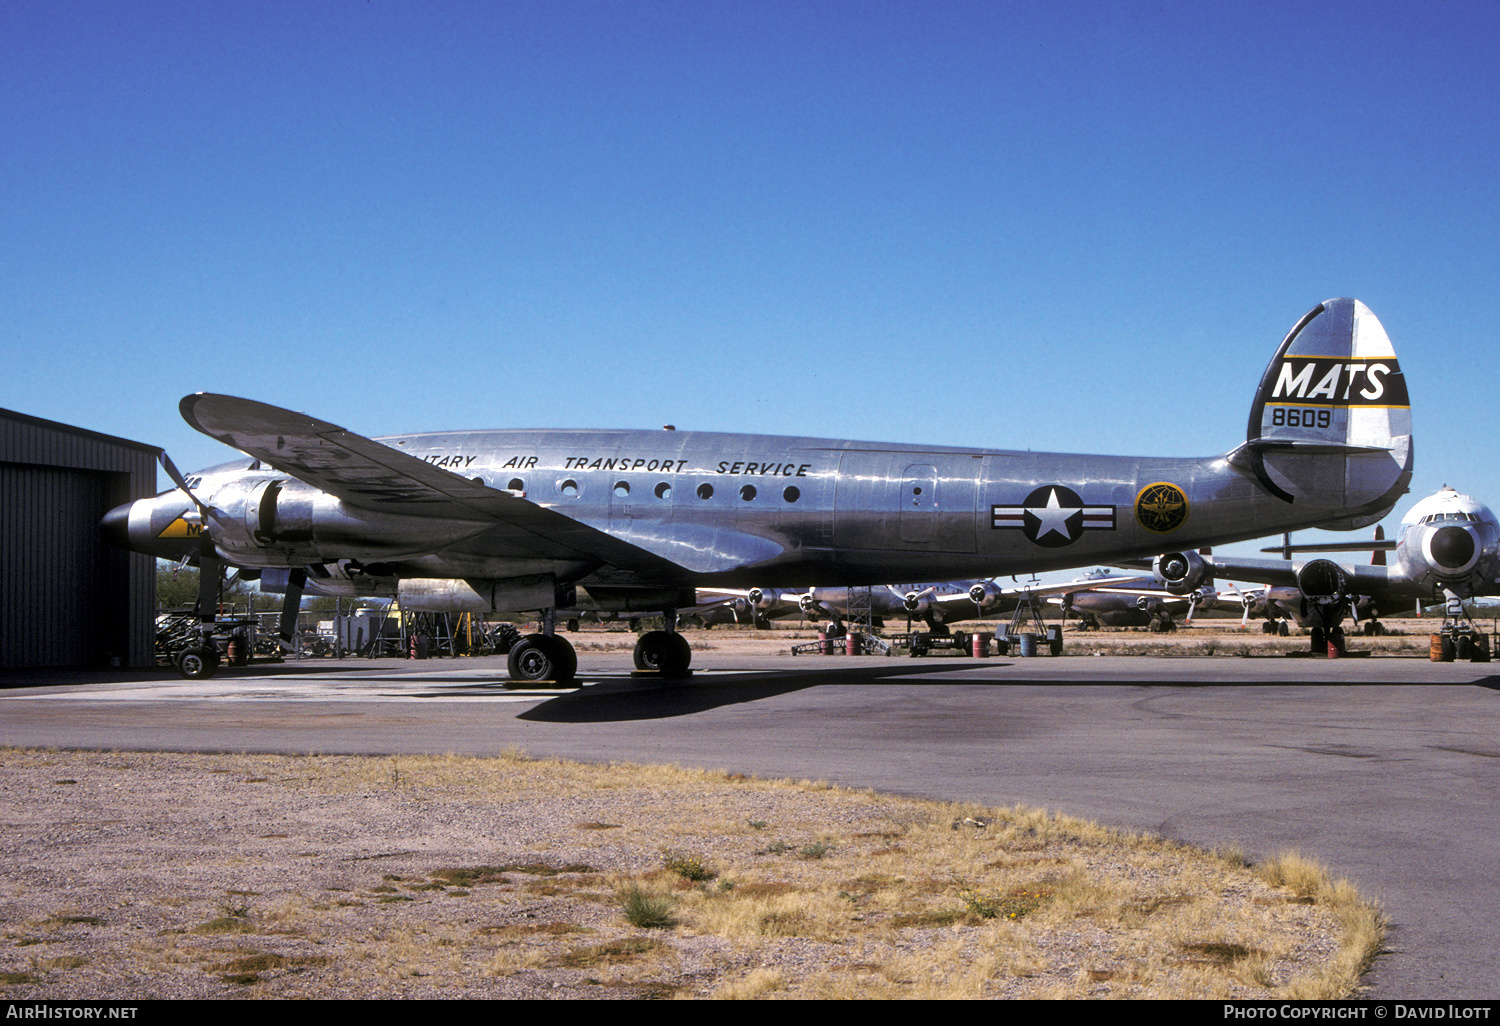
x: 532, y: 658
x: 664, y: 652
x: 648, y: 650
x: 682, y: 655
x: 1481, y: 648
x: 566, y: 658
x: 198, y: 662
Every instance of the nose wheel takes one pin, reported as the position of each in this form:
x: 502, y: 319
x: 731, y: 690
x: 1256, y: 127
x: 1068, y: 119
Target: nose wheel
x: 199, y: 662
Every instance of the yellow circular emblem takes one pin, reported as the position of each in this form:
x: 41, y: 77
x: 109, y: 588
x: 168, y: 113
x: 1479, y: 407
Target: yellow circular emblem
x: 1161, y: 507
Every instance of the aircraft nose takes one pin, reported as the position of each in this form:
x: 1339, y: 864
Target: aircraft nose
x: 1452, y: 548
x: 115, y: 527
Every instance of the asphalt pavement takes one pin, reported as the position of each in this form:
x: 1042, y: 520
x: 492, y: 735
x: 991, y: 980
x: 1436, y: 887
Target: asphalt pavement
x: 1387, y: 770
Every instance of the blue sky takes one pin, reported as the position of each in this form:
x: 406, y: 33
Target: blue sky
x: 1058, y: 226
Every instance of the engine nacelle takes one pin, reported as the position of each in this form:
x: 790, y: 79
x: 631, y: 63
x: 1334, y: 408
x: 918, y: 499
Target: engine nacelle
x: 441, y: 595
x: 1355, y: 523
x: 265, y: 522
x: 1181, y: 572
x: 1322, y: 579
x: 632, y: 600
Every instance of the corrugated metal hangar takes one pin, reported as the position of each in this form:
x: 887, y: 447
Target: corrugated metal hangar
x: 66, y: 597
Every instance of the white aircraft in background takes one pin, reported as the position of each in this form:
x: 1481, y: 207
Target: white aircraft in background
x: 1448, y: 551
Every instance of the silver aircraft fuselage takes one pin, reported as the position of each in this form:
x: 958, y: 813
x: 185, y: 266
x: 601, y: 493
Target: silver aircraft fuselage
x: 742, y: 510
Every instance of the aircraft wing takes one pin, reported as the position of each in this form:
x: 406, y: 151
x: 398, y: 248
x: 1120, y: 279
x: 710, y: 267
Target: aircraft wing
x: 1092, y: 584
x: 1136, y: 592
x: 781, y: 601
x: 1364, y: 579
x: 1379, y: 545
x: 359, y: 470
x: 369, y: 475
x: 999, y: 601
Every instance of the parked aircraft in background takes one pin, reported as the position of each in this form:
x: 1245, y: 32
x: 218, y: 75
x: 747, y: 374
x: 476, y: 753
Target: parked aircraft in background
x: 1448, y: 551
x: 936, y: 605
x: 1135, y: 602
x: 1279, y: 605
x: 636, y: 520
x: 430, y: 595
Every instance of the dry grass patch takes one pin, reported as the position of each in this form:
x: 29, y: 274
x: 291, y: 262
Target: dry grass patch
x: 627, y: 949
x: 457, y: 877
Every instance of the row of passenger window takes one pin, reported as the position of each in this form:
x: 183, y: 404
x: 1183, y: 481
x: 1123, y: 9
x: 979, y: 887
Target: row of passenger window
x: 571, y: 489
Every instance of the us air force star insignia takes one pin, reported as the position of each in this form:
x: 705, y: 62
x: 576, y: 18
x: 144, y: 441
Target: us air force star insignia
x: 1161, y: 507
x: 1053, y: 516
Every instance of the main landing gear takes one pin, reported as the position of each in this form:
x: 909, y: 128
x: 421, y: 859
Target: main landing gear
x: 536, y: 658
x: 544, y: 658
x: 548, y: 658
x: 663, y: 652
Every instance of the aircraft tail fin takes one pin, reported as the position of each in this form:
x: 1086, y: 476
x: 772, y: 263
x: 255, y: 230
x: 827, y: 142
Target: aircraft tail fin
x: 1331, y: 421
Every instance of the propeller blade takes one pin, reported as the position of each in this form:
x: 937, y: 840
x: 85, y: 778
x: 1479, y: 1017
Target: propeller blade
x: 181, y: 482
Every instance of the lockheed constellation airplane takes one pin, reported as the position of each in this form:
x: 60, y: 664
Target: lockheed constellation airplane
x: 638, y: 519
x: 1448, y: 551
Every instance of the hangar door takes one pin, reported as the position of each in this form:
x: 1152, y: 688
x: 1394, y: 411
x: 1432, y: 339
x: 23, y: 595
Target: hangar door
x: 58, y: 582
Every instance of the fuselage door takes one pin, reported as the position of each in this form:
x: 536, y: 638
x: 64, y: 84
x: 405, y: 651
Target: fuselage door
x: 884, y: 501
x: 919, y: 503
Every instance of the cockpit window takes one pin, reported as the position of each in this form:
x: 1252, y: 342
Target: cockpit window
x: 1432, y: 518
